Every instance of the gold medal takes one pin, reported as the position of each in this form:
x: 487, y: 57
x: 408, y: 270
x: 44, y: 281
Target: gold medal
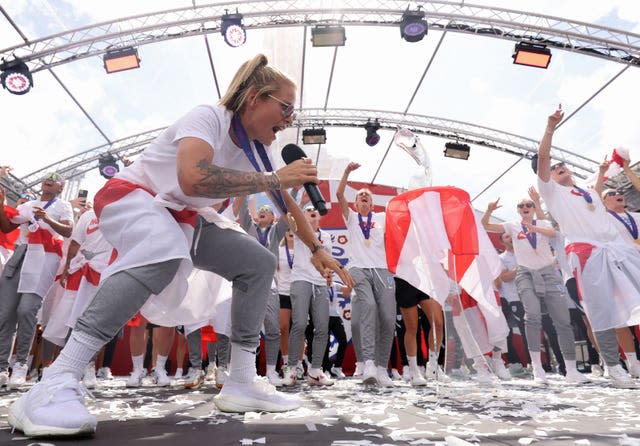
x: 637, y: 241
x: 367, y: 242
x: 591, y: 207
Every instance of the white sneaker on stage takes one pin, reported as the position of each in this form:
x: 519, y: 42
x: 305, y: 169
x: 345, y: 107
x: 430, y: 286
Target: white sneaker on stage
x: 194, y: 379
x: 539, y: 375
x: 210, y: 373
x: 274, y: 379
x: 634, y: 370
x: 89, y: 379
x: 499, y: 368
x: 337, y: 372
x: 4, y: 378
x: 18, y: 376
x: 289, y: 377
x: 135, y: 379
x: 53, y: 407
x: 318, y: 379
x: 620, y: 377
x: 415, y: 377
x: 574, y: 376
x: 395, y: 375
x: 104, y: 373
x: 221, y: 376
x: 596, y: 370
x: 359, y: 370
x: 160, y: 377
x: 369, y: 374
x: 257, y: 395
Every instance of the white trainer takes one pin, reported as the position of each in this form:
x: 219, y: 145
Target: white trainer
x: 539, y: 375
x: 382, y: 376
x: 194, y: 379
x: 4, y: 378
x: 53, y: 407
x: 104, y: 373
x: 274, y: 378
x: 135, y: 379
x: 369, y: 374
x: 395, y: 375
x: 359, y: 371
x: 620, y: 377
x: 337, y: 372
x: 289, y: 377
x: 574, y: 376
x: 89, y: 379
x: 160, y: 377
x: 18, y: 376
x: 221, y: 376
x: 434, y: 371
x: 483, y: 374
x: 299, y: 372
x: 415, y: 377
x: 634, y: 370
x: 406, y: 373
x: 210, y: 374
x: 499, y: 368
x: 597, y: 370
x: 178, y: 373
x: 315, y: 378
x: 257, y: 395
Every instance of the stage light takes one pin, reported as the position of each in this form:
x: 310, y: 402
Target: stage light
x: 16, y: 77
x: 233, y: 30
x: 372, y: 133
x: 314, y: 136
x: 457, y: 150
x: 121, y: 60
x: 328, y: 36
x: 531, y: 55
x: 108, y: 165
x: 413, y: 26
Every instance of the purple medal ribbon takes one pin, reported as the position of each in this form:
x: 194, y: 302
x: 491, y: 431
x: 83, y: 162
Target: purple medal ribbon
x: 263, y: 236
x: 632, y: 228
x: 331, y: 293
x: 586, y: 195
x: 531, y: 236
x: 243, y: 139
x: 365, y: 228
x: 289, y: 255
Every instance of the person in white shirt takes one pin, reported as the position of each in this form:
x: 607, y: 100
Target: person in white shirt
x: 373, y: 307
x: 148, y: 212
x: 283, y: 279
x: 603, y: 264
x: 30, y: 271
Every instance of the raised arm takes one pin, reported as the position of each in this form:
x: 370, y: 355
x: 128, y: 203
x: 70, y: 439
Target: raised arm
x: 535, y: 197
x: 602, y: 169
x: 492, y: 227
x: 5, y: 224
x: 544, y: 150
x: 344, y: 205
x: 633, y: 178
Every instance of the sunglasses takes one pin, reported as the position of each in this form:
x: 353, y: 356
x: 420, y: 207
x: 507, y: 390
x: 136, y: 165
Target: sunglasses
x: 287, y: 109
x: 53, y: 176
x: 265, y: 209
x: 310, y: 209
x: 557, y: 166
x: 612, y: 193
x: 529, y: 205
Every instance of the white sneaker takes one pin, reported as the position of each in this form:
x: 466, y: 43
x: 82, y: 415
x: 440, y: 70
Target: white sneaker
x: 4, y: 378
x: 338, y: 373
x: 135, y: 379
x: 89, y: 379
x: 18, y: 376
x: 299, y: 372
x: 517, y: 371
x: 634, y: 370
x: 499, y: 368
x: 415, y: 377
x: 395, y: 375
x: 359, y: 370
x: 406, y: 373
x: 210, y: 374
x: 257, y: 395
x: 221, y: 376
x: 369, y: 374
x: 539, y: 375
x: 620, y: 377
x: 318, y: 379
x: 597, y: 370
x: 104, y: 373
x: 178, y: 373
x: 434, y: 371
x: 53, y: 407
x: 274, y: 379
x: 194, y: 379
x: 383, y: 378
x: 574, y: 376
x: 160, y: 377
x: 458, y: 374
x: 483, y: 375
x: 289, y: 377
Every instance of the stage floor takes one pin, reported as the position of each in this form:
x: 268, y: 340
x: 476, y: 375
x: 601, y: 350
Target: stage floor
x: 455, y: 413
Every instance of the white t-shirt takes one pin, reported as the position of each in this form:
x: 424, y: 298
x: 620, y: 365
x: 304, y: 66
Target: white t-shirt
x: 525, y: 254
x: 571, y: 211
x: 93, y: 246
x: 59, y: 211
x: 303, y: 269
x: 622, y: 229
x: 508, y: 290
x: 361, y: 255
x: 283, y: 274
x: 156, y: 167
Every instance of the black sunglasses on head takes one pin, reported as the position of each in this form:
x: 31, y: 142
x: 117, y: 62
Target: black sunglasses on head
x: 529, y: 205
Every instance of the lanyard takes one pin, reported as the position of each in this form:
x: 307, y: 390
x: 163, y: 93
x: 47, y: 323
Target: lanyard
x: 243, y: 139
x: 263, y: 236
x: 531, y: 236
x: 586, y: 195
x: 289, y: 255
x: 632, y: 227
x: 365, y: 228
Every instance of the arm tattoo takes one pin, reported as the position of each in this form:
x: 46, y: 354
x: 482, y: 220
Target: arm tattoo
x: 219, y: 182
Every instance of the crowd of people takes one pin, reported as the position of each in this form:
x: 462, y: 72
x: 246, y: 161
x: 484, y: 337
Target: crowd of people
x: 179, y: 224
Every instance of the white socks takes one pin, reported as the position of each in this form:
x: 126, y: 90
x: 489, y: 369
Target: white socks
x: 76, y: 354
x: 138, y: 362
x: 161, y: 362
x: 242, y: 367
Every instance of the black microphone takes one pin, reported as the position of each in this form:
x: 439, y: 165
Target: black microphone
x: 291, y: 153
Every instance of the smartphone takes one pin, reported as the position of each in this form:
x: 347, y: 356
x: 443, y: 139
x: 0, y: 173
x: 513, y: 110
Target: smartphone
x: 83, y: 193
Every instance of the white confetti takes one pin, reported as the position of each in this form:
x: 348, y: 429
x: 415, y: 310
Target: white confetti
x: 249, y: 441
x: 525, y: 440
x: 582, y: 441
x: 311, y: 427
x: 455, y: 441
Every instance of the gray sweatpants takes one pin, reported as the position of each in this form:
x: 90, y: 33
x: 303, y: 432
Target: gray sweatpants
x: 221, y: 348
x: 16, y: 308
x: 308, y: 298
x: 235, y: 256
x: 272, y: 328
x: 545, y: 285
x: 373, y: 313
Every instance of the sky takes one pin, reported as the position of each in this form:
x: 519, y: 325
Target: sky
x: 472, y: 79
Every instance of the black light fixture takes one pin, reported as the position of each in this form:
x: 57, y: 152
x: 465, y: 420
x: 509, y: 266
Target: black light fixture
x: 413, y: 26
x: 531, y: 55
x: 328, y: 36
x: 233, y: 30
x: 314, y: 136
x: 16, y: 77
x: 121, y: 59
x: 372, y: 133
x: 457, y: 150
x: 108, y: 165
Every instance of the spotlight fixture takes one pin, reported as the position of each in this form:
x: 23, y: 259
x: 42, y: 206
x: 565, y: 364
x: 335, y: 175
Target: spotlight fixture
x: 531, y: 55
x: 328, y: 36
x: 372, y: 132
x: 121, y: 59
x: 233, y: 30
x: 314, y: 136
x: 108, y: 165
x: 457, y: 150
x: 16, y: 77
x: 413, y: 26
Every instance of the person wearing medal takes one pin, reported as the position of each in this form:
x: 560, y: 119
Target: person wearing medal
x: 604, y: 266
x: 373, y: 307
x: 538, y: 282
x: 30, y: 271
x: 149, y: 213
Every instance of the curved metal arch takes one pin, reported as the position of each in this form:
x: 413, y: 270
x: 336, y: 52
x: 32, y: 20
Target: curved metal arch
x: 92, y: 40
x: 82, y: 162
